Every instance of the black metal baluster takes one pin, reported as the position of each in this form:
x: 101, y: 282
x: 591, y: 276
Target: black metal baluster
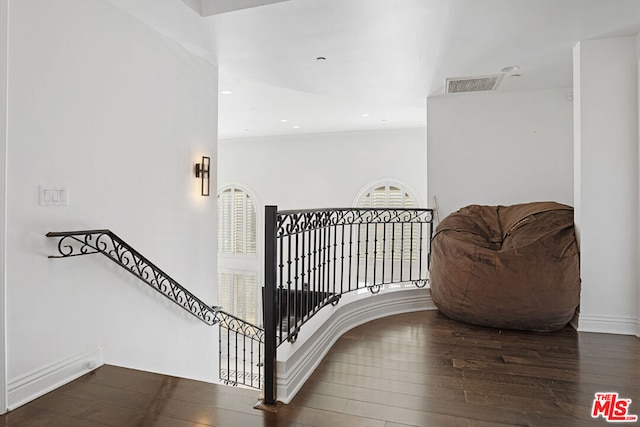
x: 251, y: 361
x: 350, y: 255
x: 410, y: 251
x: 281, y: 298
x: 335, y: 258
x: 261, y: 372
x: 358, y: 260
x: 401, y: 250
x: 375, y: 252
x: 393, y: 248
x: 420, y: 253
x: 220, y: 350
x: 289, y: 303
x: 384, y: 249
x: 319, y: 267
x: 309, y: 289
x: 366, y: 256
x: 297, y: 287
x: 327, y: 258
x: 229, y: 355
x: 342, y: 262
x: 302, y: 276
x: 235, y: 351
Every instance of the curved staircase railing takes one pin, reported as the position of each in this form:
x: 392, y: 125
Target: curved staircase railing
x: 242, y: 341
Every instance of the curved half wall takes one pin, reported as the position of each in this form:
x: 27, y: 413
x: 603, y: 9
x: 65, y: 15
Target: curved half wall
x: 296, y: 362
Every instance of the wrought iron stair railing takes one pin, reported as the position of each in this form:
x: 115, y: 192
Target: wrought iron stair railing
x: 314, y: 257
x: 242, y: 341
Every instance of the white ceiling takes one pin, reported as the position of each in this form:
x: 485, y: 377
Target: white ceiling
x: 385, y: 57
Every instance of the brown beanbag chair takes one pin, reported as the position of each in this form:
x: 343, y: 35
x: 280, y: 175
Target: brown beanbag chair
x: 511, y: 267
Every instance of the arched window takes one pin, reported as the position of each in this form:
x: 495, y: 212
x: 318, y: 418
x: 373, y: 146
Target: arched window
x: 386, y: 195
x: 238, y: 263
x: 400, y: 243
x: 236, y: 222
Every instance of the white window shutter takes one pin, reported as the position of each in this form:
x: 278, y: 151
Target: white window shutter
x: 390, y: 196
x: 238, y: 293
x: 225, y: 230
x: 237, y: 226
x: 238, y: 289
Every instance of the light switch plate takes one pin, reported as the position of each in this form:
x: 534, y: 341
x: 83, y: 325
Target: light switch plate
x: 54, y: 195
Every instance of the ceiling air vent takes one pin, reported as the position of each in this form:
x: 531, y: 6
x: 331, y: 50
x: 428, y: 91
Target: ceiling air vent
x: 472, y: 84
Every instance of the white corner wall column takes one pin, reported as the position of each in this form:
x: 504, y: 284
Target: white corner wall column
x: 4, y: 21
x: 606, y: 182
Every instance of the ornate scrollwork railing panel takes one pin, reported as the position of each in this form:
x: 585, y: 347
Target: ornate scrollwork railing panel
x: 292, y: 222
x: 324, y: 253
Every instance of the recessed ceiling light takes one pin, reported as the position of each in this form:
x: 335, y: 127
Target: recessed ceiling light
x: 296, y: 127
x: 509, y: 69
x: 283, y: 120
x: 225, y: 92
x: 365, y: 114
x: 321, y: 58
x: 516, y: 75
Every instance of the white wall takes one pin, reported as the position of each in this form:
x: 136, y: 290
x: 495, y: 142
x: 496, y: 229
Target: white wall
x: 323, y: 170
x: 606, y: 185
x: 174, y: 20
x: 499, y: 148
x: 119, y: 113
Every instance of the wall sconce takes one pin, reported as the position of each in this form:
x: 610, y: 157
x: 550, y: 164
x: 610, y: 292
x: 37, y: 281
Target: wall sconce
x: 202, y: 172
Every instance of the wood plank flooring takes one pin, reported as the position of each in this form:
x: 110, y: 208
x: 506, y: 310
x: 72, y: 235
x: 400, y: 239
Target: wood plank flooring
x: 418, y: 369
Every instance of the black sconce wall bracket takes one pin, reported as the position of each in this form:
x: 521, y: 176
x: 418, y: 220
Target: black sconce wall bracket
x: 203, y: 171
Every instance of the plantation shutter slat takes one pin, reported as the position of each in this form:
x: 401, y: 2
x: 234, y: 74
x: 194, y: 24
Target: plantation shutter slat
x: 238, y: 222
x: 250, y: 214
x: 395, y: 198
x: 379, y: 197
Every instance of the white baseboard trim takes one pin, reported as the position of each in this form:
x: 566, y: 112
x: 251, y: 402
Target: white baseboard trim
x: 297, y: 361
x: 609, y: 324
x: 38, y: 382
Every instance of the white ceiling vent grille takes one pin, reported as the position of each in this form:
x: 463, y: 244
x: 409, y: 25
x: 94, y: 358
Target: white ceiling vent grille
x: 472, y: 84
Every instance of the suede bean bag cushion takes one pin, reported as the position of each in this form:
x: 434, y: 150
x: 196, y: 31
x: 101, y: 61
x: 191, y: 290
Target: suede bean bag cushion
x: 508, y: 267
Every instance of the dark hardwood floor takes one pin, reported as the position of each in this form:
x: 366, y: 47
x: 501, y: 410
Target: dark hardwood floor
x: 418, y: 369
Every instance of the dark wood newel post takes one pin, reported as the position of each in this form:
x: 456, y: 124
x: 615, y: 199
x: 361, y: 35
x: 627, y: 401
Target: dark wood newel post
x: 270, y: 262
